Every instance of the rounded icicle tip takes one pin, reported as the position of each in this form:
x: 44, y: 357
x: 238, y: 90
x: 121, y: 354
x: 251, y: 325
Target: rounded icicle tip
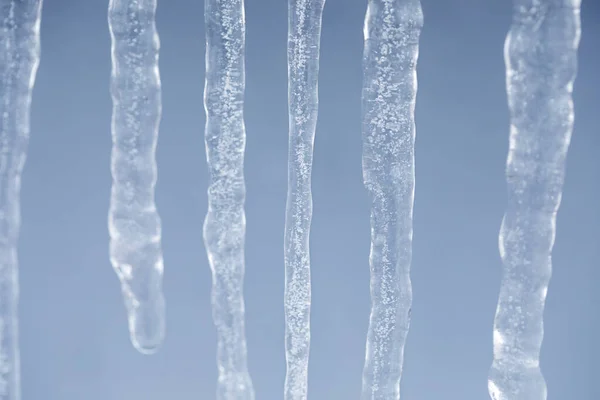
x: 133, y: 220
x: 147, y: 326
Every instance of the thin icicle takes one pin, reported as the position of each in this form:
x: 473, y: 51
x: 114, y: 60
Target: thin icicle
x: 19, y: 60
x: 541, y: 64
x: 304, y: 37
x: 392, y: 31
x: 225, y: 223
x: 134, y: 223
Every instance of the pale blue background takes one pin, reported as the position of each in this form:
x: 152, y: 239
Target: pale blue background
x: 74, y: 337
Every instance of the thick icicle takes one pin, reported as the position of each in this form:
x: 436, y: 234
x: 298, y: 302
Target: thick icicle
x: 19, y: 60
x: 541, y: 63
x: 134, y: 223
x: 225, y: 223
x: 304, y: 37
x: 392, y: 31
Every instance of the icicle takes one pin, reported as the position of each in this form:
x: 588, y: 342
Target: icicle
x: 225, y: 224
x: 134, y: 223
x: 541, y: 63
x: 392, y: 31
x: 304, y: 36
x: 19, y: 60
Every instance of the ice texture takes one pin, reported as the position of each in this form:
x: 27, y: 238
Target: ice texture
x: 225, y: 223
x: 134, y: 223
x: 304, y: 36
x: 392, y: 30
x: 541, y: 63
x: 19, y: 60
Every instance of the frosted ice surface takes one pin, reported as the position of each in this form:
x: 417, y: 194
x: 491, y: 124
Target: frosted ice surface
x: 541, y: 63
x: 392, y: 31
x: 134, y: 223
x: 19, y: 60
x: 225, y: 223
x: 304, y: 36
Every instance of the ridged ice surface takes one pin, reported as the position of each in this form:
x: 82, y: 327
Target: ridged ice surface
x: 134, y: 223
x: 304, y: 36
x: 19, y: 60
x: 541, y: 63
x: 225, y: 223
x: 392, y: 30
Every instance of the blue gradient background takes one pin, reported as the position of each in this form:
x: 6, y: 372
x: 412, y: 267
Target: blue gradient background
x: 74, y: 336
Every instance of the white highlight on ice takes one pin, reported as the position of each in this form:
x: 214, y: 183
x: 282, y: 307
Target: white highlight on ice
x: 225, y: 223
x: 304, y: 37
x: 134, y: 223
x: 392, y: 30
x: 19, y: 60
x: 541, y: 64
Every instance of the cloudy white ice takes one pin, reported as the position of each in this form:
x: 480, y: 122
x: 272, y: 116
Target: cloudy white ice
x: 19, y: 60
x: 304, y: 37
x: 134, y: 223
x: 225, y: 223
x: 541, y: 64
x: 392, y: 30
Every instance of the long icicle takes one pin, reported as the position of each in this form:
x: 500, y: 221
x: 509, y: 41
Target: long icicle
x: 19, y: 60
x: 304, y: 37
x: 541, y: 64
x: 225, y: 223
x: 392, y: 31
x: 134, y: 223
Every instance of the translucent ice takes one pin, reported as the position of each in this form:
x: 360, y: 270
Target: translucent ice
x: 541, y: 62
x: 19, y: 60
x: 304, y: 36
x: 134, y: 223
x: 392, y: 31
x: 225, y: 223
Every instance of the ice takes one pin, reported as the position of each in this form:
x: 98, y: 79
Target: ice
x: 19, y: 60
x: 541, y: 64
x: 392, y: 30
x: 225, y: 223
x: 304, y: 36
x: 134, y: 223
